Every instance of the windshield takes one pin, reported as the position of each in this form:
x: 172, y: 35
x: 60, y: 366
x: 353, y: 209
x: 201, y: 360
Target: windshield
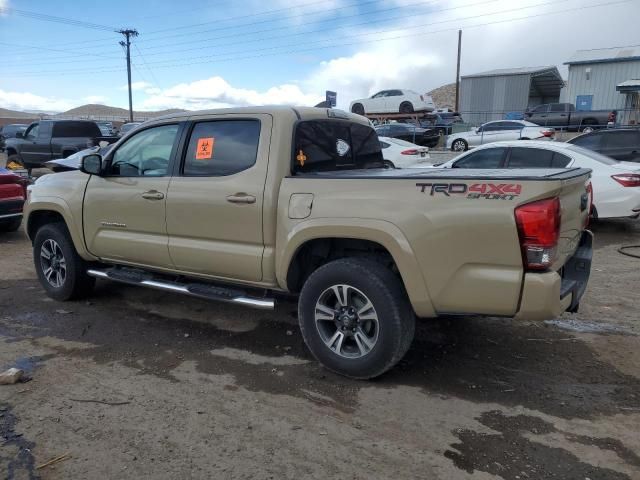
x: 598, y: 157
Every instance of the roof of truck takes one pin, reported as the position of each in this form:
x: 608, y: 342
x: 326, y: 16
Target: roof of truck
x: 301, y: 112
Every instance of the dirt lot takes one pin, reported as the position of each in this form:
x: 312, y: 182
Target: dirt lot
x: 145, y: 385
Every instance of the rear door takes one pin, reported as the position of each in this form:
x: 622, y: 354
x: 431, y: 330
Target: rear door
x: 215, y: 201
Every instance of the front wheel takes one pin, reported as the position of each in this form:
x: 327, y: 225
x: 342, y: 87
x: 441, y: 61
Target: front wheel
x: 459, y: 145
x: 61, y: 271
x: 355, y: 317
x: 406, y: 107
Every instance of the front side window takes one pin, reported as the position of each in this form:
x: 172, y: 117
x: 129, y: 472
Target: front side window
x: 557, y: 107
x: 222, y: 147
x: 380, y: 94
x: 486, y: 158
x: 32, y: 133
x: 326, y: 145
x: 145, y: 154
x: 541, y: 109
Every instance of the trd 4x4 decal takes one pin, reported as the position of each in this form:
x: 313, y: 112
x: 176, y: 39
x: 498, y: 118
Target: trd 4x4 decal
x: 487, y: 191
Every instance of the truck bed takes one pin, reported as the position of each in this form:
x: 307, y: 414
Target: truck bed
x: 525, y: 174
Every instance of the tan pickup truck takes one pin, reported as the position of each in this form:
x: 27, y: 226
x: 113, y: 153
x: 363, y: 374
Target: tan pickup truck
x: 242, y: 205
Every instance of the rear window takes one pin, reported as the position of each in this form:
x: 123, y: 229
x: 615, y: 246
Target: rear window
x: 75, y: 129
x: 326, y: 145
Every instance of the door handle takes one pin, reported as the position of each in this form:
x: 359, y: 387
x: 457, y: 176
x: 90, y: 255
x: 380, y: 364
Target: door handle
x: 241, y: 198
x: 153, y: 195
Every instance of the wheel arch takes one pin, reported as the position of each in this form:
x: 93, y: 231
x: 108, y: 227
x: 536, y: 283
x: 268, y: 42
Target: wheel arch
x: 54, y: 210
x: 314, y: 243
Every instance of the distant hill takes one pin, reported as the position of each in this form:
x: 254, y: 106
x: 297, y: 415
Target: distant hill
x: 6, y: 113
x: 95, y: 110
x: 444, y: 96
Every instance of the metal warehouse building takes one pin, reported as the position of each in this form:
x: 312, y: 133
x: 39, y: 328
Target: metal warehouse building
x: 490, y: 95
x: 607, y: 78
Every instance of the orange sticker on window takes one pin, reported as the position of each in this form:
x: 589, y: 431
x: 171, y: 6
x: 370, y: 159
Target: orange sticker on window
x: 204, y: 150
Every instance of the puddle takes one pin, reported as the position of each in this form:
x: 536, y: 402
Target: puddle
x: 15, y: 451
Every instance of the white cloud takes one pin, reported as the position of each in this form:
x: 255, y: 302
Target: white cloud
x: 3, y: 4
x: 137, y: 86
x: 215, y: 92
x: 99, y: 99
x: 29, y: 101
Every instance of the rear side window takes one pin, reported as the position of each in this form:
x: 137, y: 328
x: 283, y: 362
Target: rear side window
x: 75, y: 129
x: 557, y: 107
x: 536, y: 158
x: 486, y: 158
x: 222, y: 147
x: 325, y: 145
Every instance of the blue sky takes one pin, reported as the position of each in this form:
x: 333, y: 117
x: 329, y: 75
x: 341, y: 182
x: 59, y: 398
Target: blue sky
x: 194, y: 54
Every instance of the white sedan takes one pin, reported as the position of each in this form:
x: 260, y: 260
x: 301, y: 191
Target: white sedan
x: 402, y: 154
x: 498, y: 131
x: 616, y: 185
x: 393, y: 101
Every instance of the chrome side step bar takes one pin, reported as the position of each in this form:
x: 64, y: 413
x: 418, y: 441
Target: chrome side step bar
x: 199, y: 290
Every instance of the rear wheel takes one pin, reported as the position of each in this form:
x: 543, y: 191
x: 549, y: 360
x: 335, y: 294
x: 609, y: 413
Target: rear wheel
x: 61, y: 271
x: 388, y: 164
x: 358, y: 109
x: 459, y: 145
x: 406, y: 107
x: 588, y: 126
x: 355, y: 317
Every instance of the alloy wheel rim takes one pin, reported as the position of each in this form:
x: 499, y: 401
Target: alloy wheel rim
x: 347, y: 321
x: 458, y: 146
x: 53, y: 263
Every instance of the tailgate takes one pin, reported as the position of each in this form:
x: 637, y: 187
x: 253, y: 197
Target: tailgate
x: 575, y: 203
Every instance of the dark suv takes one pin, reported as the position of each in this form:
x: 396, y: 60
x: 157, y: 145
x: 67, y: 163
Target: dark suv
x: 622, y: 144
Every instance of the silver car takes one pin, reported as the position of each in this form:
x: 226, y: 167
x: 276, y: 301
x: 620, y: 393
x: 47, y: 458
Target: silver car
x: 498, y: 131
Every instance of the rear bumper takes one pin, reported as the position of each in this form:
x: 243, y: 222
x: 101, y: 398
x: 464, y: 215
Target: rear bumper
x: 547, y: 295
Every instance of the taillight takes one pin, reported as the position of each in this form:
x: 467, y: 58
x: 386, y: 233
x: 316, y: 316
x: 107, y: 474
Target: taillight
x: 539, y: 230
x: 627, y: 179
x: 412, y: 151
x: 548, y: 133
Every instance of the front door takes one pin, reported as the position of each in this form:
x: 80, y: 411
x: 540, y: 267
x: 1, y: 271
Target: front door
x: 124, y: 210
x: 215, y: 201
x: 36, y: 145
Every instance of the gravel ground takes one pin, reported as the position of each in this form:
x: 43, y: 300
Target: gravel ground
x: 138, y: 384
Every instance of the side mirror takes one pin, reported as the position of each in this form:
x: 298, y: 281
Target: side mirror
x: 19, y: 135
x: 91, y: 164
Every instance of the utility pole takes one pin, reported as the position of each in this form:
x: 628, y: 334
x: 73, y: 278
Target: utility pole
x: 458, y: 72
x: 128, y: 34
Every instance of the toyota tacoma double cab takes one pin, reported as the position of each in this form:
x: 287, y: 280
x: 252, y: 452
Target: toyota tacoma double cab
x: 244, y: 205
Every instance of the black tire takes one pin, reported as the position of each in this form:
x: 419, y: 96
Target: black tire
x: 588, y: 126
x: 10, y: 225
x: 524, y: 138
x: 388, y: 164
x: 395, y: 325
x: 76, y: 283
x: 459, y: 145
x: 358, y: 109
x: 406, y: 107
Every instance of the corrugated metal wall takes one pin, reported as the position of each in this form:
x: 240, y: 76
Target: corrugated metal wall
x: 483, y: 99
x: 602, y: 83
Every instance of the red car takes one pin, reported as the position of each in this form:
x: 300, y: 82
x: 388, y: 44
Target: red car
x: 13, y: 192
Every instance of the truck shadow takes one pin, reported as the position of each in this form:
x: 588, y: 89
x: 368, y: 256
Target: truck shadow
x: 476, y: 359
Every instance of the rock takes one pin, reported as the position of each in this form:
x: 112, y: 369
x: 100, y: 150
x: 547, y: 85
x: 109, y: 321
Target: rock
x: 289, y: 332
x: 11, y: 376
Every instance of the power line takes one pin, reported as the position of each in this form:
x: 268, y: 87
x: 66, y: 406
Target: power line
x: 234, y: 56
x: 369, y: 22
x: 54, y: 50
x: 155, y: 80
x: 52, y: 18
